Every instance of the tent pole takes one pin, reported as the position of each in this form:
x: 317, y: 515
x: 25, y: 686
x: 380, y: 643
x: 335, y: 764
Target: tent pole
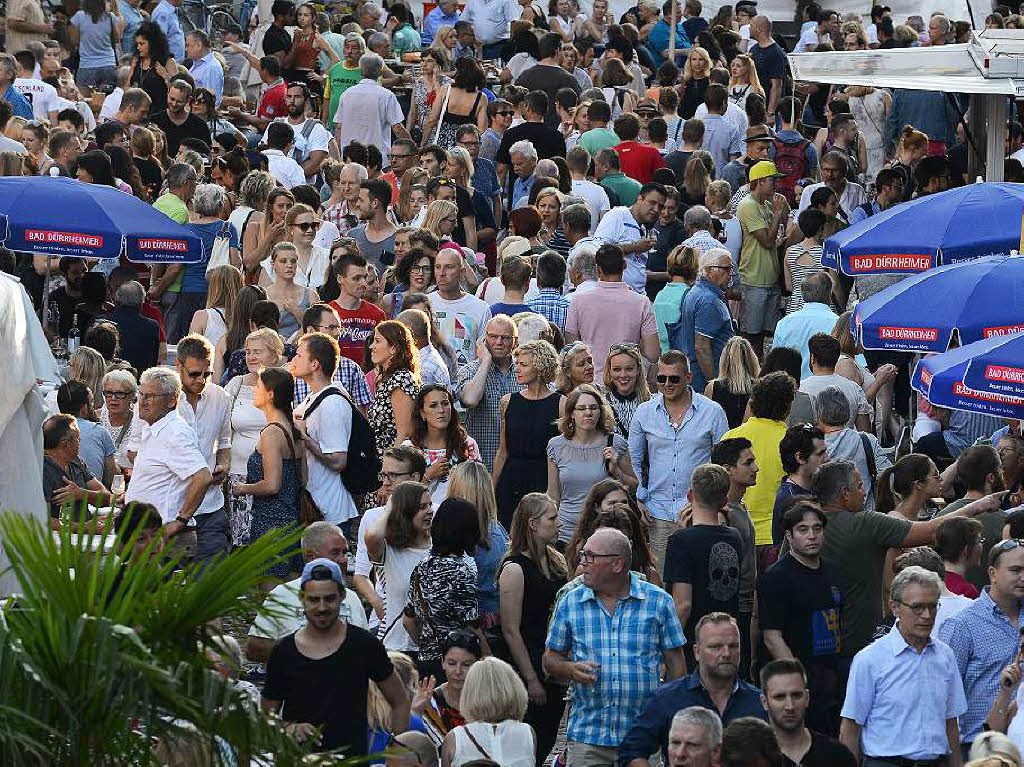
x: 994, y: 110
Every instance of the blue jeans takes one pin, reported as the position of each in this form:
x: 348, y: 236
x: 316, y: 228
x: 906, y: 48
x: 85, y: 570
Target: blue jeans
x: 494, y: 50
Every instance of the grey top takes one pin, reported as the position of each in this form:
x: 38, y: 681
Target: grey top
x: 579, y: 469
x: 373, y: 251
x: 739, y: 520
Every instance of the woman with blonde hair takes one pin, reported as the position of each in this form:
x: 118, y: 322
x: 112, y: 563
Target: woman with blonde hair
x: 738, y: 368
x: 120, y: 390
x: 682, y: 266
x: 444, y: 44
x: 624, y: 385
x: 263, y: 349
x: 88, y: 366
x: 34, y: 137
x: 743, y: 80
x: 441, y: 220
x: 580, y: 125
x: 494, y: 701
x: 471, y: 482
x: 311, y: 261
x: 529, y: 576
x: 696, y: 76
x: 224, y: 282
x: 459, y: 166
x: 575, y: 367
x: 549, y: 205
x: 528, y: 419
x: 12, y: 164
x: 586, y: 451
x: 248, y: 213
x: 272, y: 230
x: 291, y: 298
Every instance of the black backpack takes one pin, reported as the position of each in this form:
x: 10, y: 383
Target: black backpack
x: 361, y: 474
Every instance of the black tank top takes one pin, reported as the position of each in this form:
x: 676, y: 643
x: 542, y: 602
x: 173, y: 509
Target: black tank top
x: 538, y: 599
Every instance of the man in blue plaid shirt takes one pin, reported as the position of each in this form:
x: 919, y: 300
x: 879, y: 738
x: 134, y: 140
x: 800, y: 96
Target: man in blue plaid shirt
x: 608, y: 637
x: 550, y: 277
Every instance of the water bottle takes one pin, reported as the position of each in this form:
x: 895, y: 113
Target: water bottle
x: 53, y: 320
x: 73, y: 336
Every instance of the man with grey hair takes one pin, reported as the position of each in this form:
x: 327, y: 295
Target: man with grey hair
x: 705, y: 323
x: 320, y: 539
x: 694, y: 738
x: 815, y: 316
x: 857, y: 542
x: 342, y: 76
x: 133, y: 108
x: 181, y: 181
x: 8, y: 74
x: 433, y: 369
x: 140, y: 336
x: 880, y: 721
x: 845, y: 444
x: 206, y: 70
x: 582, y: 270
x: 697, y: 223
x: 547, y: 142
x: 523, y: 158
x: 938, y: 29
x: 369, y: 16
x: 170, y: 470
x: 600, y: 717
x: 367, y: 112
x: 576, y: 225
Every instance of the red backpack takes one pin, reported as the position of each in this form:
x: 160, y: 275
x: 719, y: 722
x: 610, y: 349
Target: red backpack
x: 791, y: 160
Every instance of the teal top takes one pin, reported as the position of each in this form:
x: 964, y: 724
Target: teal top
x: 405, y: 39
x: 667, y: 305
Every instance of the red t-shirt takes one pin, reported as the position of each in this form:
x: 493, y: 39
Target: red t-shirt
x: 148, y: 310
x: 639, y: 161
x: 272, y: 105
x: 356, y: 326
x: 960, y: 585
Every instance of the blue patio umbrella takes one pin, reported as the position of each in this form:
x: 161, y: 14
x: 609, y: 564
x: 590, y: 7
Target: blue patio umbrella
x: 1000, y: 369
x: 978, y: 299
x: 941, y: 379
x: 956, y: 225
x: 65, y: 217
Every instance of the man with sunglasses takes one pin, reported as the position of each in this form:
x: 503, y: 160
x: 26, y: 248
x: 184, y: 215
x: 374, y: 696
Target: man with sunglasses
x: 500, y: 114
x: 985, y: 636
x: 672, y: 434
x: 206, y: 407
x: 318, y: 677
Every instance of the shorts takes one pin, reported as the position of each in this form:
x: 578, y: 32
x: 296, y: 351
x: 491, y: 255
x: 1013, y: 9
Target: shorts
x: 761, y: 309
x: 93, y: 77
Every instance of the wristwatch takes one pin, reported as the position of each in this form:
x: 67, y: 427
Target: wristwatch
x: 183, y: 520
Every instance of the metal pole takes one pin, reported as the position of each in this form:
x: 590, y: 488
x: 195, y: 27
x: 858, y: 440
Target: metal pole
x: 672, y: 33
x: 994, y: 106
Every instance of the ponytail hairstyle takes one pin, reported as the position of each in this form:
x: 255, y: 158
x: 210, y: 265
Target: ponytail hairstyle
x: 897, y: 482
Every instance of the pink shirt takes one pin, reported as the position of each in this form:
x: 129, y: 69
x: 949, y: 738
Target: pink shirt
x: 609, y: 314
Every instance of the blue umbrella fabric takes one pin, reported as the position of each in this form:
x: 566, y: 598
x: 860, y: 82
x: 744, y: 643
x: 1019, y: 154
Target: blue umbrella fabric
x: 945, y: 228
x: 941, y: 379
x: 1000, y: 369
x: 66, y: 217
x: 979, y: 299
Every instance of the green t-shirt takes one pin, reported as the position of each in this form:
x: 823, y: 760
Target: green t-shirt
x: 626, y: 188
x: 339, y: 79
x: 856, y: 544
x: 172, y: 207
x: 596, y: 139
x: 992, y: 529
x: 759, y: 266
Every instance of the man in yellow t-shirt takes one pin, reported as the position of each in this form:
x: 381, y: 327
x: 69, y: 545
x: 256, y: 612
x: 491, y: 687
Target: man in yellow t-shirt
x: 770, y: 401
x: 342, y: 76
x: 762, y: 215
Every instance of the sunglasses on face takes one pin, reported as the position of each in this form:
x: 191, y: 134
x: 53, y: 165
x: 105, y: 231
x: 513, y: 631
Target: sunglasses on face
x: 305, y: 225
x: 200, y: 374
x: 669, y: 379
x: 508, y: 113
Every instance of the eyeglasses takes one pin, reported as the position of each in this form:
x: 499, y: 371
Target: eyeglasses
x: 506, y: 113
x: 393, y: 476
x: 919, y: 608
x: 328, y: 328
x: 305, y: 225
x: 117, y: 395
x: 424, y: 269
x: 469, y: 143
x: 588, y: 557
x: 453, y: 219
x: 668, y: 379
x: 619, y: 348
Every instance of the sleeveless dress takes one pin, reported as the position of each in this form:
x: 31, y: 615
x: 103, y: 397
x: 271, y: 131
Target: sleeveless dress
x: 509, y: 744
x: 734, y: 405
x: 450, y: 123
x: 539, y: 593
x: 529, y: 426
x: 279, y: 510
x: 216, y: 327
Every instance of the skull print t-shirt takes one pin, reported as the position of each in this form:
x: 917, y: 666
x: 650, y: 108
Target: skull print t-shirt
x: 707, y: 557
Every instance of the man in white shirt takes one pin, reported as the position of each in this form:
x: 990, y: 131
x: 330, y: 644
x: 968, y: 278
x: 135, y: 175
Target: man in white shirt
x: 320, y: 539
x: 834, y: 167
x: 825, y: 351
x: 312, y: 140
x: 42, y: 96
x: 113, y: 100
x: 491, y: 20
x: 324, y: 422
x: 630, y: 229
x: 824, y: 31
x: 578, y: 161
x: 433, y: 369
x: 368, y: 113
x: 206, y: 407
x: 280, y: 165
x: 582, y: 268
x: 170, y: 471
x: 460, y: 317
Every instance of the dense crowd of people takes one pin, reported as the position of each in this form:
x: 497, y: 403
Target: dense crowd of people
x: 520, y: 313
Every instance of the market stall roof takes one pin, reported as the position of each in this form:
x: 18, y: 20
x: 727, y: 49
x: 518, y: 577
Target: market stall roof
x: 992, y: 63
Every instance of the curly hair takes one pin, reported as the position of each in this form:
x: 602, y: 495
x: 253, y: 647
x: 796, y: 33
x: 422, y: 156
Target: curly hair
x: 406, y: 356
x: 772, y: 396
x: 456, y: 439
x: 564, y: 380
x: 605, y: 424
x: 545, y: 359
x: 404, y: 267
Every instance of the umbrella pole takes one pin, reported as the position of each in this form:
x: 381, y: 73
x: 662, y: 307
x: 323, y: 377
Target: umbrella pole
x: 46, y: 294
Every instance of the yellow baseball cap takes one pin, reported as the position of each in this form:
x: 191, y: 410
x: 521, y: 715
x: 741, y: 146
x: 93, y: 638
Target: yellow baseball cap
x: 765, y: 169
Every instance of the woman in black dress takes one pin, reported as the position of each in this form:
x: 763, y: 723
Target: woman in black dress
x: 149, y: 65
x: 528, y: 579
x: 528, y: 422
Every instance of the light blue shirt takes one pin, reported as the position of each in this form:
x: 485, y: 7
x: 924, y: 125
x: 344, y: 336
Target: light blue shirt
x: 722, y: 140
x: 166, y: 17
x: 132, y: 19
x: 795, y: 330
x: 984, y: 642
x: 666, y: 307
x: 434, y: 20
x: 208, y: 73
x: 672, y: 454
x: 902, y: 698
x: 491, y: 18
x: 521, y: 189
